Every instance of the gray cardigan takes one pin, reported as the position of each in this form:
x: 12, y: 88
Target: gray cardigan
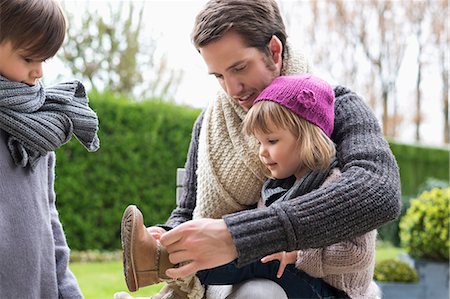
x: 366, y: 195
x: 34, y: 254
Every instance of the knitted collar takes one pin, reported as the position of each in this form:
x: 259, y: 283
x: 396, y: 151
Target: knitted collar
x: 40, y: 120
x: 229, y: 173
x: 285, y: 189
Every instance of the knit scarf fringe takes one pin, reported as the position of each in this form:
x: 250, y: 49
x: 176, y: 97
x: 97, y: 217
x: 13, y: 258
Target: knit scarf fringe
x: 40, y: 120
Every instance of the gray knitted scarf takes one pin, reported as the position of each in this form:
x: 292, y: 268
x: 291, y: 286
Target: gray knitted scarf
x: 40, y: 120
x: 285, y: 189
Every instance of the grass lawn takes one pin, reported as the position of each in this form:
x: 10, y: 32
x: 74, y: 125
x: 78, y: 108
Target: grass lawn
x: 101, y: 280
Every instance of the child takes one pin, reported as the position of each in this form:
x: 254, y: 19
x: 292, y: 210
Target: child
x: 34, y: 122
x: 292, y: 120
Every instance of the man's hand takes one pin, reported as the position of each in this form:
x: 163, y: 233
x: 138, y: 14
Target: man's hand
x: 285, y: 259
x: 204, y: 243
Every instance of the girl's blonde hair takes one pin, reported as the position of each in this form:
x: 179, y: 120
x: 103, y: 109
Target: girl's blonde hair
x: 314, y: 147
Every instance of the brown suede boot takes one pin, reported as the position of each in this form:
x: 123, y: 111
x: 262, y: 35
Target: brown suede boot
x: 144, y: 259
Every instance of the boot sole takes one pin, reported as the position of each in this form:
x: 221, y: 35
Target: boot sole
x: 127, y: 231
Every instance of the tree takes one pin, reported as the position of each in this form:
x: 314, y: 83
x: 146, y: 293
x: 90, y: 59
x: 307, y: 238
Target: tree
x: 107, y: 49
x: 416, y: 15
x: 441, y: 41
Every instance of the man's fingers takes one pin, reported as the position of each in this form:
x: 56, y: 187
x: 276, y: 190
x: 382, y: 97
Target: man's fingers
x: 179, y: 257
x: 169, y: 238
x: 182, y: 271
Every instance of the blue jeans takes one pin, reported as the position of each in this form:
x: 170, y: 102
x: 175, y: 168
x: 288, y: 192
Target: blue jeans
x: 296, y: 283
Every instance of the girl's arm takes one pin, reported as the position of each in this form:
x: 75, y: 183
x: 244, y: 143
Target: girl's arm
x: 345, y: 257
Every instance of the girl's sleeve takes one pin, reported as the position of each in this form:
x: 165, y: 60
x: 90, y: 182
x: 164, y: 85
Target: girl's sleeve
x: 67, y: 283
x: 344, y: 257
x: 186, y: 204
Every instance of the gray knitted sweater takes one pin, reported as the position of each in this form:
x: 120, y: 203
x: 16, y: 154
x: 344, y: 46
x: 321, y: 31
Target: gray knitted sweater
x: 34, y: 254
x: 366, y: 195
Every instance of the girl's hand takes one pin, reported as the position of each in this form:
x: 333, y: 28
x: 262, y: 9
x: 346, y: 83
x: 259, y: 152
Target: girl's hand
x: 285, y: 259
x: 156, y: 231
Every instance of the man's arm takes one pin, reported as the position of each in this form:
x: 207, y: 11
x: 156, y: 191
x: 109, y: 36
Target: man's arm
x: 364, y: 197
x: 185, y: 206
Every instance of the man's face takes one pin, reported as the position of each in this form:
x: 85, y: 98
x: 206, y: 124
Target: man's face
x: 16, y: 65
x: 243, y: 72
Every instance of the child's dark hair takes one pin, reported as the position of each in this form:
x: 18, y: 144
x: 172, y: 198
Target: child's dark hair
x: 37, y: 27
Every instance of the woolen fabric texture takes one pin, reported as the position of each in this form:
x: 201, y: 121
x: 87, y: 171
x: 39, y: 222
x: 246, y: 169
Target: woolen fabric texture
x: 364, y: 197
x: 34, y: 255
x: 40, y: 120
x: 309, y: 97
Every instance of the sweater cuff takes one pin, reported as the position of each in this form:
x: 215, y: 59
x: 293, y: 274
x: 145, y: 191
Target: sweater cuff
x: 257, y: 233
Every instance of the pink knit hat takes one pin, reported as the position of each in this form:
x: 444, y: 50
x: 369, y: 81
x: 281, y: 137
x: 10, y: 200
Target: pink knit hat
x: 307, y: 96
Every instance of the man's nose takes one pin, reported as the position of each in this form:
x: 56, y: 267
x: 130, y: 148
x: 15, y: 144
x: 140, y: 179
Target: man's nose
x: 233, y: 86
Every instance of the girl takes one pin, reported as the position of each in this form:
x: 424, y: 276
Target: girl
x: 292, y: 121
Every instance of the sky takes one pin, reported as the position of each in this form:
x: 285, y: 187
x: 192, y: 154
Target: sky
x: 171, y: 21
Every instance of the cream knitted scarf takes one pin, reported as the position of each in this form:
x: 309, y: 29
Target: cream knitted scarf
x: 229, y: 173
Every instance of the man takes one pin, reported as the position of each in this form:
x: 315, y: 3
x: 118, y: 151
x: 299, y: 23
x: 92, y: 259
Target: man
x: 244, y: 45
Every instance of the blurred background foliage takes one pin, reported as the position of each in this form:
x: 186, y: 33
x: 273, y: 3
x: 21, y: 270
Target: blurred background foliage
x: 110, y: 50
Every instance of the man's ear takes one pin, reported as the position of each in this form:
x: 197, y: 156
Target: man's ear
x: 276, y: 49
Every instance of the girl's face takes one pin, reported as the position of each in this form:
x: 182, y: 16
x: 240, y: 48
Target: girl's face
x: 15, y: 65
x: 279, y: 151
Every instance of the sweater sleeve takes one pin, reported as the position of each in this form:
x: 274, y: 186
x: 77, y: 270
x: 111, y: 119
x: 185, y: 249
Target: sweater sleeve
x: 364, y: 197
x: 344, y: 257
x: 67, y: 283
x: 186, y: 204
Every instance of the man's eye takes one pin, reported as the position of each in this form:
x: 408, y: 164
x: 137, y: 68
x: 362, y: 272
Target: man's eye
x: 273, y: 141
x: 240, y: 68
x: 218, y: 76
x: 28, y: 60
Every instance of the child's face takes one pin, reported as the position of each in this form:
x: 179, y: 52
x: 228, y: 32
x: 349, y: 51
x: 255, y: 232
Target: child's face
x: 16, y: 65
x: 278, y: 150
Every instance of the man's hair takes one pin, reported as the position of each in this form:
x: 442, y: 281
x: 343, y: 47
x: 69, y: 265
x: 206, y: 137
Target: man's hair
x: 255, y: 21
x: 37, y: 27
x: 314, y: 147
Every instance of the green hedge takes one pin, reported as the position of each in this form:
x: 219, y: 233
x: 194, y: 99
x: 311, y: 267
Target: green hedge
x: 421, y: 169
x: 418, y: 163
x: 141, y: 145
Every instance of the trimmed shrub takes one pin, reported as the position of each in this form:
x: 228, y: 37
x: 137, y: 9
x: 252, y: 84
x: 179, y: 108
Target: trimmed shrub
x: 424, y: 230
x: 395, y: 271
